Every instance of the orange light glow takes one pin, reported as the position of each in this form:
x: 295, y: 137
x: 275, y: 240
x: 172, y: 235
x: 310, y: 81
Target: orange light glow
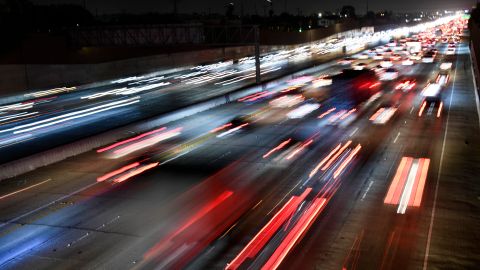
x: 220, y: 128
x: 130, y: 140
x: 396, y: 179
x: 327, y: 112
x: 439, y: 112
x: 421, y: 183
x: 347, y: 114
x: 278, y: 147
x: 303, y: 146
x: 119, y: 171
x: 336, y: 156
x: 135, y: 172
x: 422, y: 108
x: 346, y: 161
x: 376, y: 114
x: 315, y: 170
x: 304, y: 223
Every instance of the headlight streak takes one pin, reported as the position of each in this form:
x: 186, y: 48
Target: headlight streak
x: 22, y: 115
x: 121, y: 152
x: 70, y: 116
x: 130, y: 140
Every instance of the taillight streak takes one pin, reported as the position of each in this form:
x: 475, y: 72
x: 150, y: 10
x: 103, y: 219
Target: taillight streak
x: 265, y: 234
x: 336, y: 156
x: 315, y: 170
x: 346, y: 161
x: 440, y: 107
x: 376, y: 114
x: 304, y: 223
x: 221, y: 127
x: 130, y: 140
x: 135, y: 172
x: 327, y: 112
x: 116, y: 172
x: 300, y: 148
x: 420, y: 112
x: 278, y: 147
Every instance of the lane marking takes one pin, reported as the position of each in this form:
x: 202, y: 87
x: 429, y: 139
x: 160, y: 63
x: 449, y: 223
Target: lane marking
x: 15, y: 219
x: 355, y: 131
x: 437, y: 182
x: 396, y: 138
x: 368, y: 189
x: 475, y: 87
x: 24, y: 189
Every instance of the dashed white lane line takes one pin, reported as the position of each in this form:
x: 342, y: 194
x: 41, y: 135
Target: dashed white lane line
x: 396, y: 138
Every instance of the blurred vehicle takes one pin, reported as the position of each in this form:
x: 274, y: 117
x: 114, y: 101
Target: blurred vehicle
x: 395, y: 57
x: 415, y: 56
x: 432, y: 89
x: 442, y: 78
x: 431, y: 106
x: 378, y: 57
x: 236, y: 124
x: 450, y: 51
x: 295, y: 144
x: 346, y: 61
x: 322, y: 81
x: 359, y: 66
x: 446, y: 66
x: 348, y: 89
x: 386, y: 64
x: 407, y: 62
x: 383, y: 114
x: 406, y: 85
x: 428, y: 57
x: 363, y: 56
x: 390, y: 74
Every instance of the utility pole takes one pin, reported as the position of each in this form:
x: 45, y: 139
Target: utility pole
x: 257, y: 54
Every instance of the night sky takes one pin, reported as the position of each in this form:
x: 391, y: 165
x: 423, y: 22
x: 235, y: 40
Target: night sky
x: 306, y: 6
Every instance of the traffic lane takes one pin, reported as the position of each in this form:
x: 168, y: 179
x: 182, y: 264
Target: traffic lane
x: 309, y: 162
x: 72, y: 216
x: 75, y: 173
x: 381, y: 241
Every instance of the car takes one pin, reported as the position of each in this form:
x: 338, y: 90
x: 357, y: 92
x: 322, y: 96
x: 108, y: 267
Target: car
x: 431, y: 106
x: 428, y: 57
x: 415, y: 56
x: 407, y: 62
x: 450, y: 51
x: 386, y: 64
x: 363, y: 56
x: 378, y: 56
x: 359, y: 66
x: 406, y: 85
x: 238, y: 123
x: 346, y: 61
x: 390, y: 74
x: 446, y: 66
x: 395, y: 57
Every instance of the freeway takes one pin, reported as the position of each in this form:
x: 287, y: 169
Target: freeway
x: 54, y: 117
x: 295, y: 183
